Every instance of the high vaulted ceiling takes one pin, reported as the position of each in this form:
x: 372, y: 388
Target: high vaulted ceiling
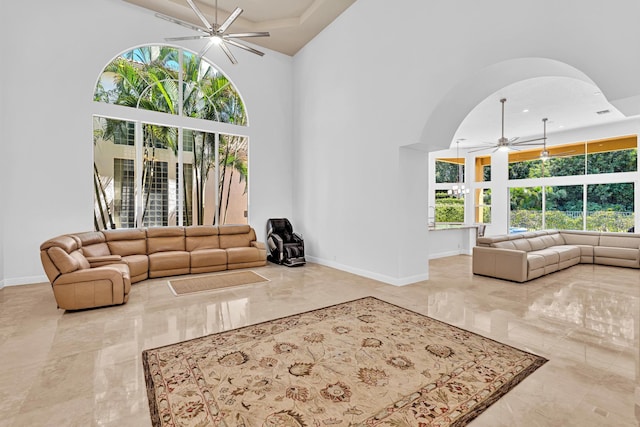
x: 566, y: 103
x: 291, y: 23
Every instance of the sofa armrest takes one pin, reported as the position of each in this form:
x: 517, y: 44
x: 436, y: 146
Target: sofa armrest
x: 258, y: 245
x: 99, y: 261
x: 508, y: 264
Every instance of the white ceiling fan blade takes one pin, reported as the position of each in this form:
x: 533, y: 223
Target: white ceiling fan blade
x: 227, y: 23
x: 242, y: 35
x: 226, y: 50
x: 183, y: 23
x: 173, y: 39
x: 200, y: 15
x: 206, y: 48
x: 241, y: 46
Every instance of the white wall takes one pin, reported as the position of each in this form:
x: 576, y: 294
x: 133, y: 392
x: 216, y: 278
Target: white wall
x: 369, y: 85
x: 50, y: 73
x: 381, y: 78
x: 3, y: 144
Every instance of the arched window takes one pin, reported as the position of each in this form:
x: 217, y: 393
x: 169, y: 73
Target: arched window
x: 170, y: 142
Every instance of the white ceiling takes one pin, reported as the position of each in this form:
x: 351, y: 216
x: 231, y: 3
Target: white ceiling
x: 291, y: 23
x: 566, y: 103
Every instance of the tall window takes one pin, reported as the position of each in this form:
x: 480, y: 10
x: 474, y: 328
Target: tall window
x: 450, y: 190
x: 162, y: 173
x: 602, y: 199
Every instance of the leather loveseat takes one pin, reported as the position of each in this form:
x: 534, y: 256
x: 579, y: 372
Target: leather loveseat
x: 96, y: 268
x: 526, y: 256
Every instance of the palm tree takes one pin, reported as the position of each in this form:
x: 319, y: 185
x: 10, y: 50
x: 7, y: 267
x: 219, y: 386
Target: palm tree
x: 148, y: 78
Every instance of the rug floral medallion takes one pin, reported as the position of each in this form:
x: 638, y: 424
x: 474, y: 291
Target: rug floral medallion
x: 361, y: 363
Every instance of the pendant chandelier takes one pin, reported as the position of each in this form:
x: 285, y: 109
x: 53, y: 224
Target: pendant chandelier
x: 458, y: 190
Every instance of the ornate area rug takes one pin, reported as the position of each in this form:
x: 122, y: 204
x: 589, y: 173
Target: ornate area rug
x: 361, y: 363
x: 214, y: 281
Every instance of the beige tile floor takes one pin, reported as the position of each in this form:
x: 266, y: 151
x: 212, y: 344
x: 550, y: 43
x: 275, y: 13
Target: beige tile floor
x: 84, y: 368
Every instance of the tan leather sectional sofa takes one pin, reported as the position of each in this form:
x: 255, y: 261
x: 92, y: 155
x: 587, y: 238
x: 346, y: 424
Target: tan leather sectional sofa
x: 96, y: 268
x: 525, y: 256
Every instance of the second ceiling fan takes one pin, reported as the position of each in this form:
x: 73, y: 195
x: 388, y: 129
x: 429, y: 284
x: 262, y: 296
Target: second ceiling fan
x: 216, y: 33
x: 504, y: 143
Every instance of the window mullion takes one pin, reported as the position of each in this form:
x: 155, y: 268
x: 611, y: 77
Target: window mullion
x: 139, y: 169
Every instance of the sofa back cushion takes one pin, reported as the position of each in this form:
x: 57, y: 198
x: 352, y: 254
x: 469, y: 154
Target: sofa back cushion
x: 64, y: 253
x: 630, y: 241
x: 504, y: 244
x: 581, y: 238
x: 93, y: 243
x: 557, y: 238
x: 522, y: 244
x: 164, y: 239
x: 202, y: 237
x: 126, y: 241
x: 236, y: 236
x: 537, y: 243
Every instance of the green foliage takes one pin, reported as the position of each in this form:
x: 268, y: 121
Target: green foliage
x: 596, y: 220
x: 449, y: 172
x: 561, y: 221
x: 529, y: 219
x: 609, y: 221
x: 450, y: 210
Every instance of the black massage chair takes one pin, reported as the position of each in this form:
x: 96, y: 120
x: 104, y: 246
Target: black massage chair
x: 285, y: 246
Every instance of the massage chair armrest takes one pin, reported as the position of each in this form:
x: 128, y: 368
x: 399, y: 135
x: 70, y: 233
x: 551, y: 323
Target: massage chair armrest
x: 100, y: 261
x: 297, y: 237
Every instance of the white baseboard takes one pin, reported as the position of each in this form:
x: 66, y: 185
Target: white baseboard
x: 17, y: 281
x: 370, y: 275
x: 449, y: 253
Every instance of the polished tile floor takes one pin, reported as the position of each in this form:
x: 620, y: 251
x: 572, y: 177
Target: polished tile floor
x: 84, y: 368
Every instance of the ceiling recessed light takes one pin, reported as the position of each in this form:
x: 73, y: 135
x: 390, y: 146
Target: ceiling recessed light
x: 526, y: 110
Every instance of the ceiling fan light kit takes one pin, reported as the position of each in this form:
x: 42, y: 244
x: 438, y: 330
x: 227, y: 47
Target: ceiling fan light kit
x: 216, y: 34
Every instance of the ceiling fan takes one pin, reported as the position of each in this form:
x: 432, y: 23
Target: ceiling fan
x: 215, y: 33
x: 505, y: 144
x: 544, y: 154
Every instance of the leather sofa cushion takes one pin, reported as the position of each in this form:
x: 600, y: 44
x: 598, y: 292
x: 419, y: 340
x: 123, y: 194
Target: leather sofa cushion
x: 169, y: 260
x: 620, y: 241
x: 522, y: 244
x: 163, y: 239
x: 202, y: 237
x: 619, y: 253
x: 236, y: 236
x: 548, y: 241
x: 241, y: 255
x: 537, y: 243
x: 573, y: 238
x: 535, y: 261
x: 63, y: 261
x: 93, y: 243
x: 566, y: 252
x: 550, y: 256
x: 506, y: 244
x: 138, y: 266
x: 208, y: 257
x: 124, y: 242
x: 557, y: 239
